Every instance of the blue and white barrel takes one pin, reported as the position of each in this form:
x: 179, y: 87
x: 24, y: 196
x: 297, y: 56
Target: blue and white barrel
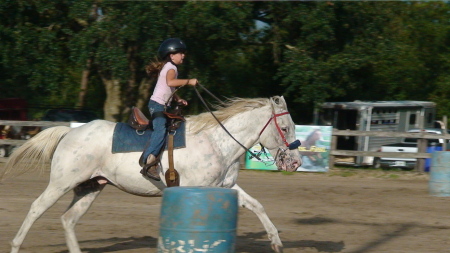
x: 198, y: 219
x: 439, y: 182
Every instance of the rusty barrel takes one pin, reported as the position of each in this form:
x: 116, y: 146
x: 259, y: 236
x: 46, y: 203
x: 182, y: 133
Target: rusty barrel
x: 439, y: 182
x: 198, y: 219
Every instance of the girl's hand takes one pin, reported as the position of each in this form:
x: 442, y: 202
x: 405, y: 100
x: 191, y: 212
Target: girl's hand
x: 182, y: 102
x: 192, y: 81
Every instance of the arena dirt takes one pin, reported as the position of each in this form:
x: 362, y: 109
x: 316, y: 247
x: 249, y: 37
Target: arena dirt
x: 352, y: 211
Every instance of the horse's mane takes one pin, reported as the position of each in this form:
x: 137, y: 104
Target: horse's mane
x: 231, y: 107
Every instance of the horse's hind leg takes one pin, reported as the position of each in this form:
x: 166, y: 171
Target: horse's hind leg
x: 252, y: 204
x: 84, y: 196
x: 47, y: 199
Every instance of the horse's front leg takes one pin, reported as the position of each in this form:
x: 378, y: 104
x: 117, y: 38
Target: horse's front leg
x: 252, y: 204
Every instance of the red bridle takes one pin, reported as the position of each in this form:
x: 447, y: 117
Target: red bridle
x: 274, y: 117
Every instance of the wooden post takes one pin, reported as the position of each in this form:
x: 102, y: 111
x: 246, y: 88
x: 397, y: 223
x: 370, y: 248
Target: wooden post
x: 333, y: 146
x: 444, y: 132
x: 421, y: 148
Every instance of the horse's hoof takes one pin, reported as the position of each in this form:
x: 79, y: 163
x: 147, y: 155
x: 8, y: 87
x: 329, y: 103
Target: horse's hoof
x: 277, y: 248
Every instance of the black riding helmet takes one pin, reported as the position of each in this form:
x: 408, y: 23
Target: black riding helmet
x: 171, y: 46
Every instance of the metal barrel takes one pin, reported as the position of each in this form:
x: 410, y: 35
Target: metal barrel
x: 439, y: 182
x: 198, y: 219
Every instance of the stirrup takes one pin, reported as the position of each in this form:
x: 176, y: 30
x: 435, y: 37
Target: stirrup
x: 151, y: 171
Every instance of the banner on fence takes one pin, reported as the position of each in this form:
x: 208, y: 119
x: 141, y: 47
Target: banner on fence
x: 315, y: 150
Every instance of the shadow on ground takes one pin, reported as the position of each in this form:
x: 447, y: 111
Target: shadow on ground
x: 250, y: 242
x: 119, y: 244
x: 390, y: 231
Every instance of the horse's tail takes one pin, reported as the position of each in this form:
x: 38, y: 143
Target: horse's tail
x: 35, y: 153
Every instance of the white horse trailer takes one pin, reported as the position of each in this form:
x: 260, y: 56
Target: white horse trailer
x: 389, y: 116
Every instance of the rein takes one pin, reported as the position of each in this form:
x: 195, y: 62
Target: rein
x: 171, y: 96
x: 218, y: 121
x: 293, y: 145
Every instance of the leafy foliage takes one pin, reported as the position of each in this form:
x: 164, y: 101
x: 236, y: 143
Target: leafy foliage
x: 308, y: 51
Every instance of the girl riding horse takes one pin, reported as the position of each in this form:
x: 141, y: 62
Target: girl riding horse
x: 171, y: 53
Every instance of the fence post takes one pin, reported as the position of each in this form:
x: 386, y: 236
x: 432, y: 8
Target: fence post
x: 333, y: 146
x: 421, y: 148
x: 444, y: 132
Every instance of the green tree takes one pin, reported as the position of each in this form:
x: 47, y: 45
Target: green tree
x: 120, y: 44
x: 360, y: 50
x: 35, y: 55
x: 93, y: 53
x: 32, y: 47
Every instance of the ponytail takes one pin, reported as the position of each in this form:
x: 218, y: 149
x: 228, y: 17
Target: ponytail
x: 154, y: 67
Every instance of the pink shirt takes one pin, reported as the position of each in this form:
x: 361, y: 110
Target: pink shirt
x: 162, y: 91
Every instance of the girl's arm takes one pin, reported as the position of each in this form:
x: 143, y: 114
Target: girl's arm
x: 172, y: 81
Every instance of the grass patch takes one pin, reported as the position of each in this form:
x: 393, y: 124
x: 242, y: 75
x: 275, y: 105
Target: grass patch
x: 346, y: 173
x: 393, y: 176
x: 368, y: 168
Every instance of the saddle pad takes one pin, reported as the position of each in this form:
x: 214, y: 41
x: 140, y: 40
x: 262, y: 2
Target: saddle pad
x: 126, y: 139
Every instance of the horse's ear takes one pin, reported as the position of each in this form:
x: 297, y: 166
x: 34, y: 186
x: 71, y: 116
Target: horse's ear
x: 278, y: 102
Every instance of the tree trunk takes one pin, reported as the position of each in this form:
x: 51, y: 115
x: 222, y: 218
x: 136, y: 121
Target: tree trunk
x: 113, y: 103
x: 144, y: 93
x: 130, y: 91
x: 84, y: 83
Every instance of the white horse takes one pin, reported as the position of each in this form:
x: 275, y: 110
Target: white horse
x: 82, y: 161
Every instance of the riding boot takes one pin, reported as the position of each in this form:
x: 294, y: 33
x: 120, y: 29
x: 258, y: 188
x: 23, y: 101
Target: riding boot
x: 150, y: 169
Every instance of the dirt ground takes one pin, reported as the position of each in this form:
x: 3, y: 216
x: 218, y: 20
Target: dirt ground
x: 351, y: 211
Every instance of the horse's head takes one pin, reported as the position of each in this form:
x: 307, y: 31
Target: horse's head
x: 278, y: 136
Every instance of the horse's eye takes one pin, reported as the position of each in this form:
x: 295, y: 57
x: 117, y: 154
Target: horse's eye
x: 284, y: 129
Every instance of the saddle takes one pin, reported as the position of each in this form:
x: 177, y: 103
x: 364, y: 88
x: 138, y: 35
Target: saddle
x: 139, y: 121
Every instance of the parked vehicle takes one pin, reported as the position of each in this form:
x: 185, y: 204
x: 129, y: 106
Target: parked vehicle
x: 77, y: 117
x: 387, y: 116
x: 409, y: 145
x: 69, y: 115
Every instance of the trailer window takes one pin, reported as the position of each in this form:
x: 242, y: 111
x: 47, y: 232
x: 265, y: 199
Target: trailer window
x: 412, y: 119
x: 326, y: 117
x: 430, y: 117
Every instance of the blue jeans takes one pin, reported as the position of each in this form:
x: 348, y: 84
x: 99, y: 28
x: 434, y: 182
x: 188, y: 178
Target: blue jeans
x: 158, y: 136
